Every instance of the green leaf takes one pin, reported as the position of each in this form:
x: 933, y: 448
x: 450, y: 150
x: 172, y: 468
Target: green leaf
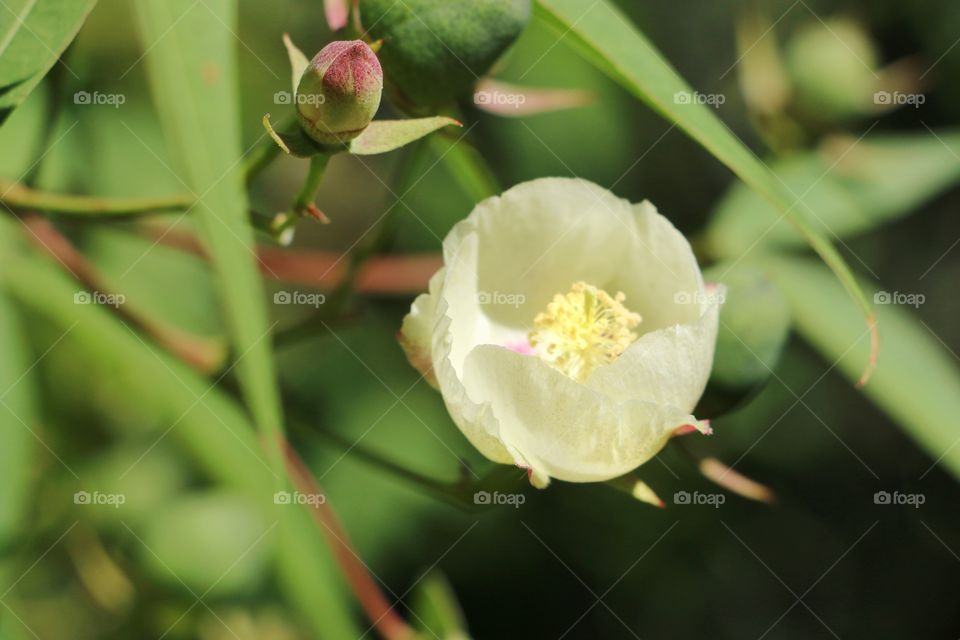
x: 381, y: 136
x: 24, y: 132
x: 605, y: 37
x: 386, y: 135
x: 438, y: 613
x: 847, y: 188
x: 17, y: 419
x: 215, y: 541
x: 466, y: 166
x: 754, y: 326
x: 211, y: 426
x: 917, y: 380
x: 33, y: 34
x: 192, y: 67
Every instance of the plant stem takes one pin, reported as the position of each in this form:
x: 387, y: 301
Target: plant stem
x: 381, y: 613
x: 459, y: 494
x: 304, y: 202
x: 206, y: 355
x: 17, y: 196
x: 264, y: 153
x: 399, y: 274
x: 259, y: 159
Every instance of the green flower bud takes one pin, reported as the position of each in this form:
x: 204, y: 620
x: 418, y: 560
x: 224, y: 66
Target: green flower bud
x: 339, y: 93
x: 833, y: 68
x: 435, y: 50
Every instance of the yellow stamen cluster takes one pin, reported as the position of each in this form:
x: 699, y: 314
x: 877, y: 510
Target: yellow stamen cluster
x: 583, y: 329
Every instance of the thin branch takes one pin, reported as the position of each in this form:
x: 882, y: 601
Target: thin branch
x: 206, y: 355
x: 460, y: 493
x: 382, y: 275
x: 385, y: 619
x: 19, y: 197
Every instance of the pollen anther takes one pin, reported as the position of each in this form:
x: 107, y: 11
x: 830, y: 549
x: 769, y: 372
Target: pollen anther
x: 583, y: 329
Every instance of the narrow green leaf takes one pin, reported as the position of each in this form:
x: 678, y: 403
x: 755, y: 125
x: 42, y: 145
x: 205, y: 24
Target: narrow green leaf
x: 848, y: 187
x: 606, y: 37
x: 466, y: 166
x: 17, y: 419
x: 207, y: 540
x: 917, y: 379
x: 386, y: 135
x: 438, y: 613
x: 33, y: 34
x: 192, y: 70
x: 209, y: 424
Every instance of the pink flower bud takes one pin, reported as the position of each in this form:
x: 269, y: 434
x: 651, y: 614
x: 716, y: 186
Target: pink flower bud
x: 339, y: 92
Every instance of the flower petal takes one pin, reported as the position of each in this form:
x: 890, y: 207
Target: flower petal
x: 536, y: 240
x: 561, y: 428
x: 416, y: 332
x: 669, y: 366
x: 426, y: 339
x: 660, y: 276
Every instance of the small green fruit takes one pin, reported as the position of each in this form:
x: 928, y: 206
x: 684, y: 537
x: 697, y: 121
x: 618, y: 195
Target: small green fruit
x: 339, y: 93
x: 435, y: 50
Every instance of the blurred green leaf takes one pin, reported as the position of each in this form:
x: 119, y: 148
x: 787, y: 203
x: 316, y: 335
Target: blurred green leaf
x: 917, y: 380
x: 607, y: 38
x: 847, y: 187
x: 33, y: 34
x: 437, y: 612
x: 147, y: 482
x: 466, y: 166
x: 17, y: 419
x: 754, y: 325
x: 216, y: 542
x: 165, y: 283
x: 192, y: 69
x: 210, y: 424
x: 23, y: 132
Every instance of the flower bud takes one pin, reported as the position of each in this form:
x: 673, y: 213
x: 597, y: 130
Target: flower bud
x: 435, y: 50
x: 339, y: 93
x: 833, y: 69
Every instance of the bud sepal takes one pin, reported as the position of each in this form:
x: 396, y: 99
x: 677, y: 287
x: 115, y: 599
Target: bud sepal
x: 338, y: 133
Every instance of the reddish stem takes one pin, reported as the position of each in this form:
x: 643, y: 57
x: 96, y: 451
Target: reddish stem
x: 383, y: 275
x: 203, y: 354
x: 383, y: 616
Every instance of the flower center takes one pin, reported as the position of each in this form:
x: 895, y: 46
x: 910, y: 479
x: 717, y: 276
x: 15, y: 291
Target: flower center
x: 582, y: 330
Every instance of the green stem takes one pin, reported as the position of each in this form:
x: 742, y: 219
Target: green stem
x: 304, y: 202
x: 377, y: 240
x: 265, y: 152
x: 460, y: 494
x: 259, y: 159
x: 17, y: 196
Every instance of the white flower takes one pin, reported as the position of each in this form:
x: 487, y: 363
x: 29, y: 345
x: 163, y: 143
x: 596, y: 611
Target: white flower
x: 569, y: 331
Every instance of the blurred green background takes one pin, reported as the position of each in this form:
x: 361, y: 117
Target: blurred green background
x: 574, y: 561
